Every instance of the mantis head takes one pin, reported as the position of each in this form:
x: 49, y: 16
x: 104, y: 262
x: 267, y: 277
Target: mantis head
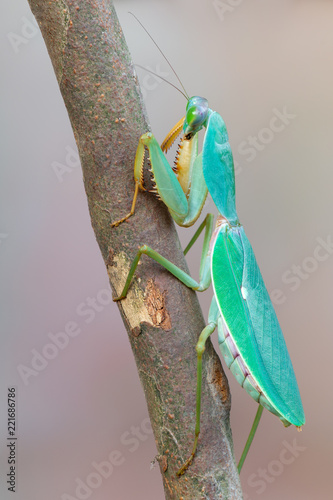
x: 197, y: 111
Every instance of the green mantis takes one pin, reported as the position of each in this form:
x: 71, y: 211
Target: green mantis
x: 250, y: 338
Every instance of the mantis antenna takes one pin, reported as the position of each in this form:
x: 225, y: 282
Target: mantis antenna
x: 161, y: 77
x: 164, y: 56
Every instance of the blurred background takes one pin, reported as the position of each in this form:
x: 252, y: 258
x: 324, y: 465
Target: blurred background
x: 267, y: 68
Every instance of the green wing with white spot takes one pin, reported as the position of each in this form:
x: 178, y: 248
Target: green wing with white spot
x: 250, y: 318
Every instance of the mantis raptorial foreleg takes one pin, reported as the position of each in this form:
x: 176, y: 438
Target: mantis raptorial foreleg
x: 182, y: 188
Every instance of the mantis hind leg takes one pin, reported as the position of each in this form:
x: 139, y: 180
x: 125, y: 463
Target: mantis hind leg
x: 250, y: 438
x: 200, y: 348
x: 188, y: 281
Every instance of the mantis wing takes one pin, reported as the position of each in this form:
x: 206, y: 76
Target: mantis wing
x: 250, y: 318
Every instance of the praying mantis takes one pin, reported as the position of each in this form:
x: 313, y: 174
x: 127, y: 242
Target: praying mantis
x: 249, y: 334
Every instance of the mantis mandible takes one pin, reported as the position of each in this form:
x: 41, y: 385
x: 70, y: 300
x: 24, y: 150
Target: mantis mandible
x: 249, y: 334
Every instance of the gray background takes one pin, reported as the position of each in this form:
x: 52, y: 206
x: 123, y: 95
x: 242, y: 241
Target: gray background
x: 249, y: 59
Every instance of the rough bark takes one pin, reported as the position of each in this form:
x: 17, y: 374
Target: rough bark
x: 162, y: 317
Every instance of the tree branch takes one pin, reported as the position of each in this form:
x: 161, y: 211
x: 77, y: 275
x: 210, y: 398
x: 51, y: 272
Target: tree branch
x: 162, y: 317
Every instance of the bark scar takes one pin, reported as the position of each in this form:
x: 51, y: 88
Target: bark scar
x: 220, y: 382
x: 156, y: 307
